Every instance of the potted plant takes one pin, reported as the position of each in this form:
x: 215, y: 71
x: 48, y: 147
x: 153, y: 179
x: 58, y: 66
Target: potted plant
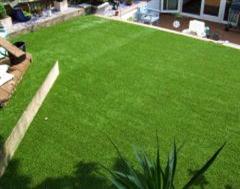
x: 60, y: 5
x: 5, y: 20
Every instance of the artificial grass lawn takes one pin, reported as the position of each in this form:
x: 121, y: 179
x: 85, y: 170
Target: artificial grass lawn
x: 125, y: 81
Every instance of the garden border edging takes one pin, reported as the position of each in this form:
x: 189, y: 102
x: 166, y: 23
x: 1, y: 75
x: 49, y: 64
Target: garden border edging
x: 20, y: 129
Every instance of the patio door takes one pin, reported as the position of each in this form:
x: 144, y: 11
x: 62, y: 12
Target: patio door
x: 212, y: 9
x: 170, y: 6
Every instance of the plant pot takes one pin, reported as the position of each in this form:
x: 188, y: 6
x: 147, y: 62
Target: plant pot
x: 14, y: 60
x: 61, y: 6
x: 6, y: 23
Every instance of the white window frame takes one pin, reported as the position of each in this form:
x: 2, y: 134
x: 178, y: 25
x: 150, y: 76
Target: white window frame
x: 170, y: 11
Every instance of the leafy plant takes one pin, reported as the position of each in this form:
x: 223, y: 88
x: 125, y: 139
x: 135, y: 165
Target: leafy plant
x: 27, y: 13
x: 3, y: 13
x: 153, y: 175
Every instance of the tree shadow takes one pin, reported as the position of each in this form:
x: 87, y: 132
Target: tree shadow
x: 85, y: 176
x: 228, y: 186
x: 12, y: 177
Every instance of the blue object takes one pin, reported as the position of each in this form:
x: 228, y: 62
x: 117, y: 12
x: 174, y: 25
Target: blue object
x: 19, y: 16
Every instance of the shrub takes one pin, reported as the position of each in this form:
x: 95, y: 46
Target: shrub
x: 153, y: 175
x: 3, y: 13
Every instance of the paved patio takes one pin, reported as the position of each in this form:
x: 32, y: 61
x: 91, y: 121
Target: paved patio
x: 233, y: 36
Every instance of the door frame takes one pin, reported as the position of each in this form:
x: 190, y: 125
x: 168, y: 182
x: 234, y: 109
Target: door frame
x: 170, y: 11
x: 218, y: 19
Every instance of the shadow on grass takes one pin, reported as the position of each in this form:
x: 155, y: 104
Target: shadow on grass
x: 12, y: 177
x: 86, y: 176
x: 201, y: 181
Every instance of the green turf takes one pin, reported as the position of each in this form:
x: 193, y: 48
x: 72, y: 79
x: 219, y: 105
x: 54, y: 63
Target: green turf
x: 125, y: 81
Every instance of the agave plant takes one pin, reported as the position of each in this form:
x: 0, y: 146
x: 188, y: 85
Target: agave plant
x: 153, y: 175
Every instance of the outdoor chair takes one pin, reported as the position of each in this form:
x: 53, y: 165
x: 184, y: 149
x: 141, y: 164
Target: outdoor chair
x: 147, y: 15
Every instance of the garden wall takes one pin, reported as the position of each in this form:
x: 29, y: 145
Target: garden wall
x: 18, y: 29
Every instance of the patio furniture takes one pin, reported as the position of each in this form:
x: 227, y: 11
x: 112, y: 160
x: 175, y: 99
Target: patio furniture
x: 147, y: 15
x: 150, y: 16
x: 196, y: 27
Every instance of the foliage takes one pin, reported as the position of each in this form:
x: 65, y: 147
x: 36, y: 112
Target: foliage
x: 153, y: 175
x: 3, y: 13
x: 27, y: 13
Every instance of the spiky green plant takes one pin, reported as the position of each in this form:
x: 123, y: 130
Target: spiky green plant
x: 152, y: 175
